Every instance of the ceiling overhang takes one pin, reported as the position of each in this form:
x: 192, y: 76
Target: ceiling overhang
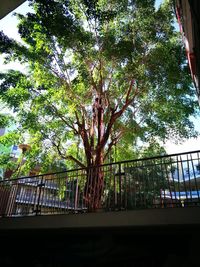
x: 8, y: 6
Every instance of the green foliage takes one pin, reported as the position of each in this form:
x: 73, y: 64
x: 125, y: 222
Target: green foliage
x: 5, y: 120
x: 80, y: 50
x: 6, y: 142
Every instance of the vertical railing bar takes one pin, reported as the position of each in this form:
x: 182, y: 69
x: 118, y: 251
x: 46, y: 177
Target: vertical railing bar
x: 160, y: 185
x: 62, y: 187
x: 50, y: 195
x: 188, y: 167
x: 183, y: 175
x: 66, y: 192
x: 70, y: 193
x: 49, y: 182
x: 178, y: 174
x: 153, y: 192
x: 93, y: 180
x: 154, y: 181
x: 125, y: 187
x: 115, y: 190
x: 38, y: 200
x: 81, y: 190
x: 2, y: 196
x: 47, y: 193
x: 76, y: 195
x: 131, y: 186
x: 6, y: 207
x: 73, y: 177
x: 43, y: 185
x: 84, y: 177
x: 195, y: 179
x: 199, y: 167
x: 80, y: 203
x: 146, y: 178
x: 102, y: 194
x: 99, y: 187
x: 73, y: 191
x: 139, y: 182
x: 34, y: 198
x: 168, y: 183
x: 120, y: 188
x: 81, y: 178
x: 6, y: 201
x: 106, y: 194
x: 96, y: 195
x: 91, y: 187
x: 111, y: 188
x: 88, y: 170
x: 22, y: 197
x: 62, y: 190
x: 105, y: 197
x: 103, y: 186
x: 77, y: 191
x: 56, y: 197
x: 26, y: 200
x: 172, y: 163
x: 30, y: 200
x: 54, y: 179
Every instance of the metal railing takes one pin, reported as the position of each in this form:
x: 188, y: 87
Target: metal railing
x: 159, y: 182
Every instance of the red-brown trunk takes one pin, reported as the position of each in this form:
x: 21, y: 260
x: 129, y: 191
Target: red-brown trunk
x: 94, y: 184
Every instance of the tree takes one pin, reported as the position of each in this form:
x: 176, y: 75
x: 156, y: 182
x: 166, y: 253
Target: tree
x: 100, y: 73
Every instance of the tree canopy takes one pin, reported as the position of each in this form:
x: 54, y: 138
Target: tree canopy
x: 99, y: 74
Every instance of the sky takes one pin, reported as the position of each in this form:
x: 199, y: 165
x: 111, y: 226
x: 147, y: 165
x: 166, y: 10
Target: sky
x: 9, y: 26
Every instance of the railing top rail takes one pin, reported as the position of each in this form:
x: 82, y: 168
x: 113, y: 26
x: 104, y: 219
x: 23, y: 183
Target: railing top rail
x: 107, y: 164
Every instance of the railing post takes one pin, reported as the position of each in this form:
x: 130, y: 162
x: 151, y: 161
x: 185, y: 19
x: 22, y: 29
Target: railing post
x: 120, y: 187
x: 76, y: 196
x: 115, y: 192
x: 39, y: 186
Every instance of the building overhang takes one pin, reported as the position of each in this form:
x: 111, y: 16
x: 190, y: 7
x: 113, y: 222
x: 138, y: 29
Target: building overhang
x: 8, y: 6
x: 187, y: 13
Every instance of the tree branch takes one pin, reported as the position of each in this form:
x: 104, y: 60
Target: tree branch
x: 76, y: 160
x: 112, y: 143
x: 71, y: 126
x: 115, y: 115
x: 67, y: 157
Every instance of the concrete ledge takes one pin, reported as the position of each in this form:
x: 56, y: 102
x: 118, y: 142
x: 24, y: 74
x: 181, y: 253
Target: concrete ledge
x: 141, y: 218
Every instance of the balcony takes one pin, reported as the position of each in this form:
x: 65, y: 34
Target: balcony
x: 149, y: 215
x: 170, y: 181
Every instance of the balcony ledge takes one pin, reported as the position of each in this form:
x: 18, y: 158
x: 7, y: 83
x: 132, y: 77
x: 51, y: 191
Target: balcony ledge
x: 120, y: 219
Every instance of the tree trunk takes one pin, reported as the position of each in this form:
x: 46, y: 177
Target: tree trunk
x: 94, y: 184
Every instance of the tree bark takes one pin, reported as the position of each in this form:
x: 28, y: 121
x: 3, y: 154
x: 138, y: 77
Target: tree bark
x: 95, y: 154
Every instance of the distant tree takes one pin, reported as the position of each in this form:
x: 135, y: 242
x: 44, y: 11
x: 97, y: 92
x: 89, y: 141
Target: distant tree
x: 99, y: 73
